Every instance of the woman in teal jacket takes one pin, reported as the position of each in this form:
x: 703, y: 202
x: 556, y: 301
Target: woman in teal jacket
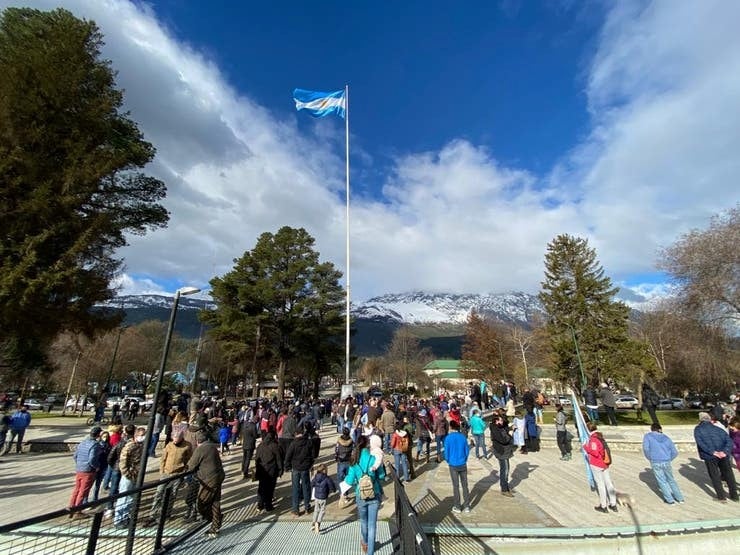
x: 362, y: 463
x: 478, y: 429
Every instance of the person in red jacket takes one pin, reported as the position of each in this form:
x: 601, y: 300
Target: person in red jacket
x: 595, y: 448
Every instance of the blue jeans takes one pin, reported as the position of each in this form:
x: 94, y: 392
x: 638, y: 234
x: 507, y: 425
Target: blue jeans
x: 340, y: 424
x: 420, y: 445
x: 368, y: 511
x: 480, y: 441
x: 593, y: 414
x: 301, y: 484
x: 387, y: 442
x: 402, y: 464
x: 666, y: 482
x: 503, y: 473
x: 440, y: 440
x: 153, y: 444
x: 342, y: 469
x: 115, y: 480
x: 123, y: 504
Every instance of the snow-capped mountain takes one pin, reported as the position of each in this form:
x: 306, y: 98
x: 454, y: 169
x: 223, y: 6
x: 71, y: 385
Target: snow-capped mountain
x: 436, y: 308
x: 133, y: 302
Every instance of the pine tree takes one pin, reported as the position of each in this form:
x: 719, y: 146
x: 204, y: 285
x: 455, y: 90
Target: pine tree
x: 70, y: 185
x: 281, y: 298
x: 583, y: 317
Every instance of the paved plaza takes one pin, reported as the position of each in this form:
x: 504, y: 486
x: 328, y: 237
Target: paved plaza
x: 550, y: 494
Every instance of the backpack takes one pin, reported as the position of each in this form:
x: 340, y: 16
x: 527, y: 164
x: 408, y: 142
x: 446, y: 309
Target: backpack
x: 607, y: 453
x: 367, y: 489
x: 403, y: 443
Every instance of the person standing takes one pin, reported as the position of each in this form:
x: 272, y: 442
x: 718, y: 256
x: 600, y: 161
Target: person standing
x: 423, y: 434
x: 456, y: 450
x: 367, y: 507
x: 343, y: 454
x: 87, y: 463
x: 478, y: 429
x: 388, y: 425
x: 113, y: 465
x: 105, y: 448
x: 592, y: 403
x: 175, y: 458
x: 323, y: 486
x: 531, y: 432
x: 4, y: 428
x: 129, y: 463
x: 650, y: 402
x: 299, y: 460
x: 206, y: 461
x: 441, y: 428
x: 19, y: 423
x: 562, y: 433
x: 519, y: 432
x: 249, y: 440
x: 715, y: 449
x: 610, y: 404
x: 660, y: 451
x: 399, y: 444
x: 735, y: 437
x: 599, y: 460
x: 268, y: 467
x: 503, y: 449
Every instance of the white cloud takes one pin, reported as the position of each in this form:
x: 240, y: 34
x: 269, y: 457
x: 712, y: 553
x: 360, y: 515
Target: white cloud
x: 660, y: 159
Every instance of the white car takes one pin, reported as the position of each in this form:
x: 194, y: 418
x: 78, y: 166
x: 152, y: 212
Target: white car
x: 626, y: 402
x: 114, y: 400
x: 72, y: 402
x: 664, y: 404
x: 32, y: 404
x: 678, y: 403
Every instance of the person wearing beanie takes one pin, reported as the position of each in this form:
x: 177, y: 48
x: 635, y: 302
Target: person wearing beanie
x: 715, y: 449
x: 87, y: 463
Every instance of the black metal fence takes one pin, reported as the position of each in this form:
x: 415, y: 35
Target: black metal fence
x: 411, y: 536
x: 147, y: 520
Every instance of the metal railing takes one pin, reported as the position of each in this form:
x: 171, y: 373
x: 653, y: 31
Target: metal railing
x: 411, y: 536
x: 146, y: 520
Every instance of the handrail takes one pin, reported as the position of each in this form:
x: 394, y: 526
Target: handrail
x: 412, y: 537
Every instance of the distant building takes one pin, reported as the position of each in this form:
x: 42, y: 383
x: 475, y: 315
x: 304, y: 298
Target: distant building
x: 446, y: 374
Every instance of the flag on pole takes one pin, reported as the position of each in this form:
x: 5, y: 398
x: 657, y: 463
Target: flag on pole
x: 320, y: 104
x: 583, y: 438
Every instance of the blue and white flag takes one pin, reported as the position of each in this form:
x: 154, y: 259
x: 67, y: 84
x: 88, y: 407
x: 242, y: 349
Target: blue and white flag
x: 320, y: 104
x: 582, y: 437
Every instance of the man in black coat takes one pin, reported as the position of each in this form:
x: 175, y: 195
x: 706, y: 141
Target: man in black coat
x: 210, y: 473
x: 299, y: 460
x: 249, y: 440
x: 268, y: 467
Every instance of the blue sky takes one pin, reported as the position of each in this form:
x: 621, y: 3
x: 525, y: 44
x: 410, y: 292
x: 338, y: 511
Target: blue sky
x: 480, y: 131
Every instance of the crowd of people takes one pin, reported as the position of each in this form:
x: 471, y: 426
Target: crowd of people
x: 278, y: 437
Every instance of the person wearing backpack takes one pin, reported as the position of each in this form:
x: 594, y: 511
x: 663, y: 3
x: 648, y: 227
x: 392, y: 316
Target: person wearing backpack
x: 366, y: 482
x: 599, y: 459
x: 400, y: 445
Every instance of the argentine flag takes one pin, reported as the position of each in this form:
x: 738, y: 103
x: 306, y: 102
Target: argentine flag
x: 320, y: 104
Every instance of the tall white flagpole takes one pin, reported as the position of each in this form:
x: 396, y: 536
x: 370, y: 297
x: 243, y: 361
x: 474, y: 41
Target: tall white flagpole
x: 346, y: 169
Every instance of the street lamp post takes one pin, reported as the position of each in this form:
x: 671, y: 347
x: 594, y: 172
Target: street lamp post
x: 578, y: 356
x: 160, y: 378
x: 152, y: 415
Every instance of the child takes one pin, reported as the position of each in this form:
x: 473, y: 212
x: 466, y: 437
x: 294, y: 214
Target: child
x: 322, y: 486
x: 224, y: 434
x: 518, y: 427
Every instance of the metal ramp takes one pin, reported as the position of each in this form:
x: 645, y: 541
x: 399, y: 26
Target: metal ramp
x: 279, y: 537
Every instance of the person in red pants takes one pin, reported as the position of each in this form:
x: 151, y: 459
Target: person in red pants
x: 87, y: 461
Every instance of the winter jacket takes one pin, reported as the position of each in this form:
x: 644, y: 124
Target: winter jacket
x: 289, y: 425
x: 595, y: 450
x: 175, y: 457
x: 388, y: 421
x: 658, y: 447
x: 115, y: 454
x: 456, y: 449
x: 249, y: 434
x: 503, y: 445
x: 208, y: 463
x: 397, y: 440
x: 224, y: 434
x: 441, y: 426
x: 87, y: 455
x: 560, y: 419
x: 343, y: 449
x: 323, y: 485
x: 20, y: 420
x: 530, y: 425
x: 477, y: 425
x: 607, y: 398
x: 589, y: 397
x: 268, y: 459
x: 709, y: 438
x: 364, y: 466
x: 300, y: 454
x: 735, y: 436
x: 130, y: 460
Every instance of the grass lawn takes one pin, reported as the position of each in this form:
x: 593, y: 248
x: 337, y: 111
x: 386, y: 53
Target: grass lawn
x: 628, y: 417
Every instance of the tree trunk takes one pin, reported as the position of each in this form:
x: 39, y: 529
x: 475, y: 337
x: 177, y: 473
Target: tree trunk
x: 281, y: 379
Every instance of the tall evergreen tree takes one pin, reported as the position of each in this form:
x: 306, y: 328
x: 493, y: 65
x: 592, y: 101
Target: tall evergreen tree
x: 70, y: 185
x: 583, y: 317
x: 280, y: 290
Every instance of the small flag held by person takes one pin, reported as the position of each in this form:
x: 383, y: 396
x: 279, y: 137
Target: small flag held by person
x: 320, y: 104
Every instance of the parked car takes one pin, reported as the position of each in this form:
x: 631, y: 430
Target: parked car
x: 33, y: 404
x: 72, y: 402
x: 665, y: 404
x: 694, y: 402
x: 114, y: 400
x: 678, y: 403
x: 564, y: 400
x: 626, y: 402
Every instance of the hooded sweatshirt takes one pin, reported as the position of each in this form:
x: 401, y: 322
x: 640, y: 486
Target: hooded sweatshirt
x: 477, y: 425
x: 343, y: 448
x: 658, y: 447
